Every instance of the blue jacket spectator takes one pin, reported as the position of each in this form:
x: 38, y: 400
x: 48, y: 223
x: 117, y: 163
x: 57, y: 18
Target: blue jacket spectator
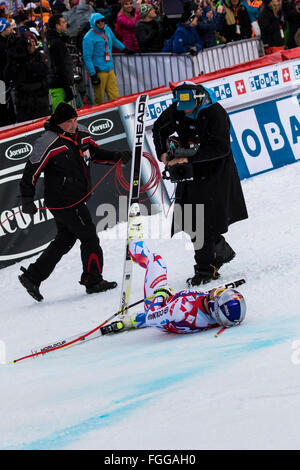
x: 253, y: 8
x: 207, y: 27
x: 185, y: 39
x: 93, y: 46
x: 97, y: 48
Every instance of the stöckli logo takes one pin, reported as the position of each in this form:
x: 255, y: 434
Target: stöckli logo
x: 101, y: 126
x: 18, y: 151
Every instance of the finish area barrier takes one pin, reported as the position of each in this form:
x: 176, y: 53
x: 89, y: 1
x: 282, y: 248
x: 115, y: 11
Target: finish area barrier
x: 140, y: 72
x: 262, y: 98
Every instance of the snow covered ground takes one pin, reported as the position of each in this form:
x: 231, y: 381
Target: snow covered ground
x: 151, y: 390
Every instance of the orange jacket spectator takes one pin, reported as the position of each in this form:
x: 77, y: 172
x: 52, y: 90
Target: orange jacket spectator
x: 43, y: 15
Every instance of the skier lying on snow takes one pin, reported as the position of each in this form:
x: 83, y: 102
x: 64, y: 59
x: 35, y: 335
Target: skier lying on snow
x: 183, y: 312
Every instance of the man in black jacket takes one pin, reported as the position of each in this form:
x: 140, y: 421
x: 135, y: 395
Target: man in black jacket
x: 271, y: 26
x: 196, y: 117
x: 61, y: 77
x: 148, y: 30
x: 28, y: 72
x: 63, y: 153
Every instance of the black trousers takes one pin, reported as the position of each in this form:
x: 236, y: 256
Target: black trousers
x: 215, y: 247
x: 207, y: 254
x: 72, y: 224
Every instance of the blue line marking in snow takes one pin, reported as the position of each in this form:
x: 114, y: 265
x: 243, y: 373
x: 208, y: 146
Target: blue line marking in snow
x: 62, y: 438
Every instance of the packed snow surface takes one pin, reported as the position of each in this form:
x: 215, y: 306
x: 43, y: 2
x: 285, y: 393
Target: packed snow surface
x: 147, y: 389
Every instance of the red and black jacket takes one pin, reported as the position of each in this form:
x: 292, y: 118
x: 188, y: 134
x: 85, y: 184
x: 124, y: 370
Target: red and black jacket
x: 64, y: 160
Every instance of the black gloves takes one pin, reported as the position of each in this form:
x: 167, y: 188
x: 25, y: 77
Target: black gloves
x: 95, y: 80
x: 28, y: 206
x: 69, y: 94
x: 124, y: 156
x: 129, y: 51
x: 193, y: 51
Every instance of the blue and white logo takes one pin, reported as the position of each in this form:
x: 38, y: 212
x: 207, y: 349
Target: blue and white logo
x: 297, y: 71
x: 223, y: 92
x: 264, y: 80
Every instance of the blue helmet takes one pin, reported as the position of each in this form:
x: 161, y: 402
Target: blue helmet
x: 228, y: 307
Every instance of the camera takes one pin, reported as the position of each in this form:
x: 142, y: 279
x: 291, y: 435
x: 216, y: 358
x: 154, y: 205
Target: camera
x: 183, y: 171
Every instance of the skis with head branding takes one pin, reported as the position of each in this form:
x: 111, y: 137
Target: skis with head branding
x: 134, y: 227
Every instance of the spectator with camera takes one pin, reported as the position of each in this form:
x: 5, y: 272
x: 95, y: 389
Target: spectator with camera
x: 172, y: 11
x: 28, y: 72
x: 206, y: 175
x: 210, y: 21
x: 149, y: 31
x: 186, y: 38
x: 61, y: 77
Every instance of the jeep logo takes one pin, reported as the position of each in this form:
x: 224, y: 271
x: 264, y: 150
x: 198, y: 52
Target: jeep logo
x: 18, y: 151
x: 101, y: 126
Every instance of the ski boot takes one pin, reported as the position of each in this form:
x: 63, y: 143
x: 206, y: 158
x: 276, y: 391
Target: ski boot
x: 125, y: 322
x: 30, y: 285
x: 101, y: 286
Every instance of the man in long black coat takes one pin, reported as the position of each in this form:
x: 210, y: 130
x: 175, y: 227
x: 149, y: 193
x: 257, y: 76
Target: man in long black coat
x: 196, y: 117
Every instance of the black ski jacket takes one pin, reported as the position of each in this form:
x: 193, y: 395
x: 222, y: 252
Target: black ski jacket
x: 61, y: 65
x: 270, y: 26
x: 65, y: 164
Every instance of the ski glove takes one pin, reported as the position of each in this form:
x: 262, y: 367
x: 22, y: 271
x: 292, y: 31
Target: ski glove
x: 28, y: 206
x: 192, y: 50
x: 95, y: 80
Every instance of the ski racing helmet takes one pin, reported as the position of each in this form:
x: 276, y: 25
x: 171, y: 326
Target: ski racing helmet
x: 228, y: 308
x: 186, y: 94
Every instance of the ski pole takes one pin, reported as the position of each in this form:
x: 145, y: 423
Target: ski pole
x: 66, y: 343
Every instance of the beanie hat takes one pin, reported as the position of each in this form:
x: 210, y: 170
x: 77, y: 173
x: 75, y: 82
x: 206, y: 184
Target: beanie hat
x: 4, y: 24
x: 144, y: 9
x: 62, y: 113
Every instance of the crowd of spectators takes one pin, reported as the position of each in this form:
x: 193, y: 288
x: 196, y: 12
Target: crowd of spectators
x: 41, y: 41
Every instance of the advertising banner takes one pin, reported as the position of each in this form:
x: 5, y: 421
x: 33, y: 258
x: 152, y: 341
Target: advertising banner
x: 22, y: 235
x: 263, y: 105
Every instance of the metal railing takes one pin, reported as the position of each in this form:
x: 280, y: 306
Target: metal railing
x: 140, y: 72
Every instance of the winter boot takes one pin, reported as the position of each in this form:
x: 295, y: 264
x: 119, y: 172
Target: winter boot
x: 30, y: 285
x: 224, y: 253
x: 203, y: 276
x: 101, y: 286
